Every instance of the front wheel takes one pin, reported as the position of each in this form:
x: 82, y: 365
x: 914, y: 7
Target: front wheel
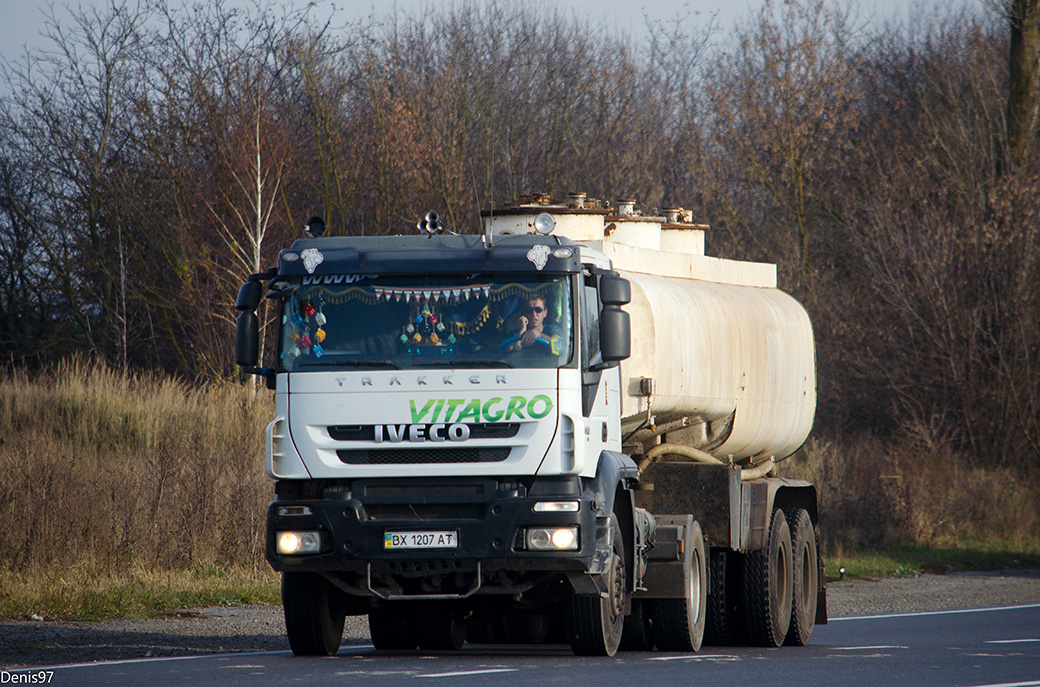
x: 314, y: 617
x: 594, y: 623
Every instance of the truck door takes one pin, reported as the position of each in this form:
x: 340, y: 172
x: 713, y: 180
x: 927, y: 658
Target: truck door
x: 595, y: 387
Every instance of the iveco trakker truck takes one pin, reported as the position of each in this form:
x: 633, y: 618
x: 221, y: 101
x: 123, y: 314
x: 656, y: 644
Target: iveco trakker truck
x: 564, y: 429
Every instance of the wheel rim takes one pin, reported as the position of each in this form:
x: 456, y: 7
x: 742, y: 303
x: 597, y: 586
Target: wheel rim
x: 617, y: 589
x: 695, y: 584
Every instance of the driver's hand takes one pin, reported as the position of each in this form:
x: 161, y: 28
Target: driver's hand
x: 527, y: 339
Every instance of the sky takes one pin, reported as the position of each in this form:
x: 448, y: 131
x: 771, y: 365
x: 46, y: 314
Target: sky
x: 22, y: 21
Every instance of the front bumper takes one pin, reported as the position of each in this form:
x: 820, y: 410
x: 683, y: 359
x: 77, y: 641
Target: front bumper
x: 489, y: 517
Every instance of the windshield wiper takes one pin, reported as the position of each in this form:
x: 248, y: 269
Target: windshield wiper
x: 463, y: 363
x: 354, y: 363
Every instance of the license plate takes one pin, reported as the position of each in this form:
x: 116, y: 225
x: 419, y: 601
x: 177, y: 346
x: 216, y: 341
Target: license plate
x: 421, y: 540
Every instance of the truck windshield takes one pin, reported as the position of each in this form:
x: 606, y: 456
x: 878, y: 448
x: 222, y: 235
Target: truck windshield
x: 379, y: 322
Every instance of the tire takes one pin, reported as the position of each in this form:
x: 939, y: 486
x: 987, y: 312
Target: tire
x: 594, y: 623
x: 680, y: 622
x: 527, y: 628
x: 440, y: 631
x: 391, y: 630
x: 638, y: 634
x: 768, y: 586
x: 806, y: 576
x: 313, y: 615
x: 722, y: 615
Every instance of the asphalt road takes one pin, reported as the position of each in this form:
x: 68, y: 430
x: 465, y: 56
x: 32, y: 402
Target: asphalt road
x: 975, y: 647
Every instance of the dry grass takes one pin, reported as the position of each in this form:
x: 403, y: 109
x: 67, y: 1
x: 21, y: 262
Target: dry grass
x: 103, y: 474
x: 876, y: 496
x: 137, y: 495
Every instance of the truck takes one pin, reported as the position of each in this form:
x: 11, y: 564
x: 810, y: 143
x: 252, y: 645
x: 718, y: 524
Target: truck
x: 564, y: 428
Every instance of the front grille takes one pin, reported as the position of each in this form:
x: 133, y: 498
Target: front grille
x: 423, y: 512
x: 406, y: 456
x: 482, y: 430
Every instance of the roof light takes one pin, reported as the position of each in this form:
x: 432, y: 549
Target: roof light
x: 544, y: 223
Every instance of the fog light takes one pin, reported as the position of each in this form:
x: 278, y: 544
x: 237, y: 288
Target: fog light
x: 552, y: 539
x: 295, y: 543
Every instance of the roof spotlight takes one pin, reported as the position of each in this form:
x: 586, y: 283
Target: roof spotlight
x: 544, y: 223
x: 315, y: 227
x: 431, y: 223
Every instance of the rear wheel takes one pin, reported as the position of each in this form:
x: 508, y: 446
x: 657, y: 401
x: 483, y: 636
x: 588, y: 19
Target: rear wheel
x: 391, y: 630
x: 806, y: 576
x: 680, y: 622
x: 768, y: 586
x: 721, y: 626
x: 441, y: 630
x: 638, y: 634
x: 594, y: 623
x: 314, y: 616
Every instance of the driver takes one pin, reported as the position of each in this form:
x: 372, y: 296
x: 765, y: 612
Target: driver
x: 533, y: 330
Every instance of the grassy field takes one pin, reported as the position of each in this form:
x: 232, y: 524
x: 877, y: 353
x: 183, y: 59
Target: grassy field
x: 126, y: 496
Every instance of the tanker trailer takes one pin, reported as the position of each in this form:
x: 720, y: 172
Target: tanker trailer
x: 719, y: 387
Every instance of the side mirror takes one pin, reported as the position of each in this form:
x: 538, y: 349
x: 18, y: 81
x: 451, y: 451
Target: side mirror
x: 247, y: 339
x: 614, y: 290
x: 615, y: 334
x: 249, y: 296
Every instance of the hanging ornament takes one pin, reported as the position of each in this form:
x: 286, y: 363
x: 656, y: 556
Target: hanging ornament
x: 309, y: 310
x: 305, y: 342
x: 319, y: 335
x: 294, y: 336
x: 434, y: 338
x: 404, y: 338
x: 319, y: 319
x: 317, y: 350
x: 417, y: 338
x: 451, y: 338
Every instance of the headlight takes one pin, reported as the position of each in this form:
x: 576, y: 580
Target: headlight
x: 556, y: 506
x: 295, y: 543
x: 553, y: 539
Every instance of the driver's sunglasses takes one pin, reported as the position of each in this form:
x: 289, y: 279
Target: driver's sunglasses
x: 535, y: 309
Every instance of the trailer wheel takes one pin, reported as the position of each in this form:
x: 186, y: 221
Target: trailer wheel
x: 768, y: 586
x: 391, y: 630
x: 440, y: 631
x: 806, y: 574
x: 680, y: 622
x: 594, y: 623
x: 313, y: 616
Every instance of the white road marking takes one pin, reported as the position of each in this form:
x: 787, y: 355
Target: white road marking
x: 924, y: 613
x: 155, y: 659
x: 471, y: 672
x: 1011, y: 641
x: 1035, y: 683
x: 866, y: 648
x: 678, y: 658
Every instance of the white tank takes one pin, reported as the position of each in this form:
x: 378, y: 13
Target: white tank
x: 733, y: 367
x: 722, y: 360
